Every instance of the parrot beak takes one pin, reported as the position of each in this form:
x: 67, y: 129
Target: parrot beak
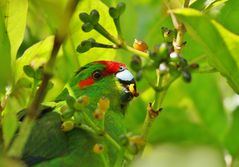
x: 126, y: 78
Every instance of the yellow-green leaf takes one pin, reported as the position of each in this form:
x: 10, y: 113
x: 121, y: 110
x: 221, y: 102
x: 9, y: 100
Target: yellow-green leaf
x: 5, y: 58
x: 219, y: 44
x: 15, y: 12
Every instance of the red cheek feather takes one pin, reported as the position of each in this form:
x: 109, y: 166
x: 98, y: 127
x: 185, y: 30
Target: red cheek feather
x: 86, y: 82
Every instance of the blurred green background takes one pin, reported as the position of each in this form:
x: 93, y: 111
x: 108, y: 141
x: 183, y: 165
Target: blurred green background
x: 200, y: 120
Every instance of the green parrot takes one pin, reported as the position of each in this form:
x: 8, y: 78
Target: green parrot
x: 49, y: 145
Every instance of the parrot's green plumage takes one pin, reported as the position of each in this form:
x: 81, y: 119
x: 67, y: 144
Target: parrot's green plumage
x: 48, y: 145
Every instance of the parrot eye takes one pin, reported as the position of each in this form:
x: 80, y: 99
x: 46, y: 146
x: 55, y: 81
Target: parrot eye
x: 121, y: 68
x: 96, y: 75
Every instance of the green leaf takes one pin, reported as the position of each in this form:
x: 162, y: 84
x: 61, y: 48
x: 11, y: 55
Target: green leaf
x: 77, y: 35
x: 192, y: 114
x: 29, y: 71
x: 5, y: 58
x: 180, y: 127
x: 209, y: 36
x: 9, y: 121
x: 209, y: 106
x: 36, y: 56
x: 232, y: 139
x: 16, y: 15
x: 225, y: 16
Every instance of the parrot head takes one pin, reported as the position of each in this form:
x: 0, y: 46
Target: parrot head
x: 105, y: 79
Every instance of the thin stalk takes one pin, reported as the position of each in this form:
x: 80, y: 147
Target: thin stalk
x: 120, y: 157
x: 137, y: 52
x: 206, y: 70
x: 156, y: 103
x: 118, y: 28
x: 155, y: 106
x: 186, y: 3
x: 101, y: 45
x: 106, y: 34
x: 18, y: 145
x: 198, y: 59
x: 179, y: 41
x: 106, y: 163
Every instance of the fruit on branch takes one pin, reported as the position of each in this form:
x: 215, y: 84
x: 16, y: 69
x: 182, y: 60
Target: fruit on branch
x: 136, y: 63
x: 140, y: 45
x: 187, y: 76
x: 174, y: 57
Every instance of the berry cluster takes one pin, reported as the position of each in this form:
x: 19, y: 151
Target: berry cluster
x: 164, y: 57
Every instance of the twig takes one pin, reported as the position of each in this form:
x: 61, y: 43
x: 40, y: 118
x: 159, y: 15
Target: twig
x: 206, y: 70
x: 178, y: 43
x: 153, y: 109
x: 186, y: 3
x: 137, y: 52
x: 33, y: 111
x: 163, y: 83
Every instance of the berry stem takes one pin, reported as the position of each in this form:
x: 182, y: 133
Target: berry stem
x: 118, y: 28
x: 137, y: 52
x: 106, y: 34
x: 101, y: 45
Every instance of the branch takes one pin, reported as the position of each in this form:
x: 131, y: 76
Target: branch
x: 178, y: 43
x: 34, y: 109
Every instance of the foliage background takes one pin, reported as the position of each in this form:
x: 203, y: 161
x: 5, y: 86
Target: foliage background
x: 200, y: 120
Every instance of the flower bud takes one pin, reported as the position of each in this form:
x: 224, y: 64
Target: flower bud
x: 98, y: 148
x: 85, y: 45
x: 103, y: 104
x: 121, y: 7
x: 87, y: 27
x: 84, y: 17
x: 83, y: 100
x: 98, y: 114
x: 94, y: 17
x: 114, y: 13
x: 67, y: 126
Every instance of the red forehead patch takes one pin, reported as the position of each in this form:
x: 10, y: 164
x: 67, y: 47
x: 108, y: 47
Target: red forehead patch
x: 111, y: 67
